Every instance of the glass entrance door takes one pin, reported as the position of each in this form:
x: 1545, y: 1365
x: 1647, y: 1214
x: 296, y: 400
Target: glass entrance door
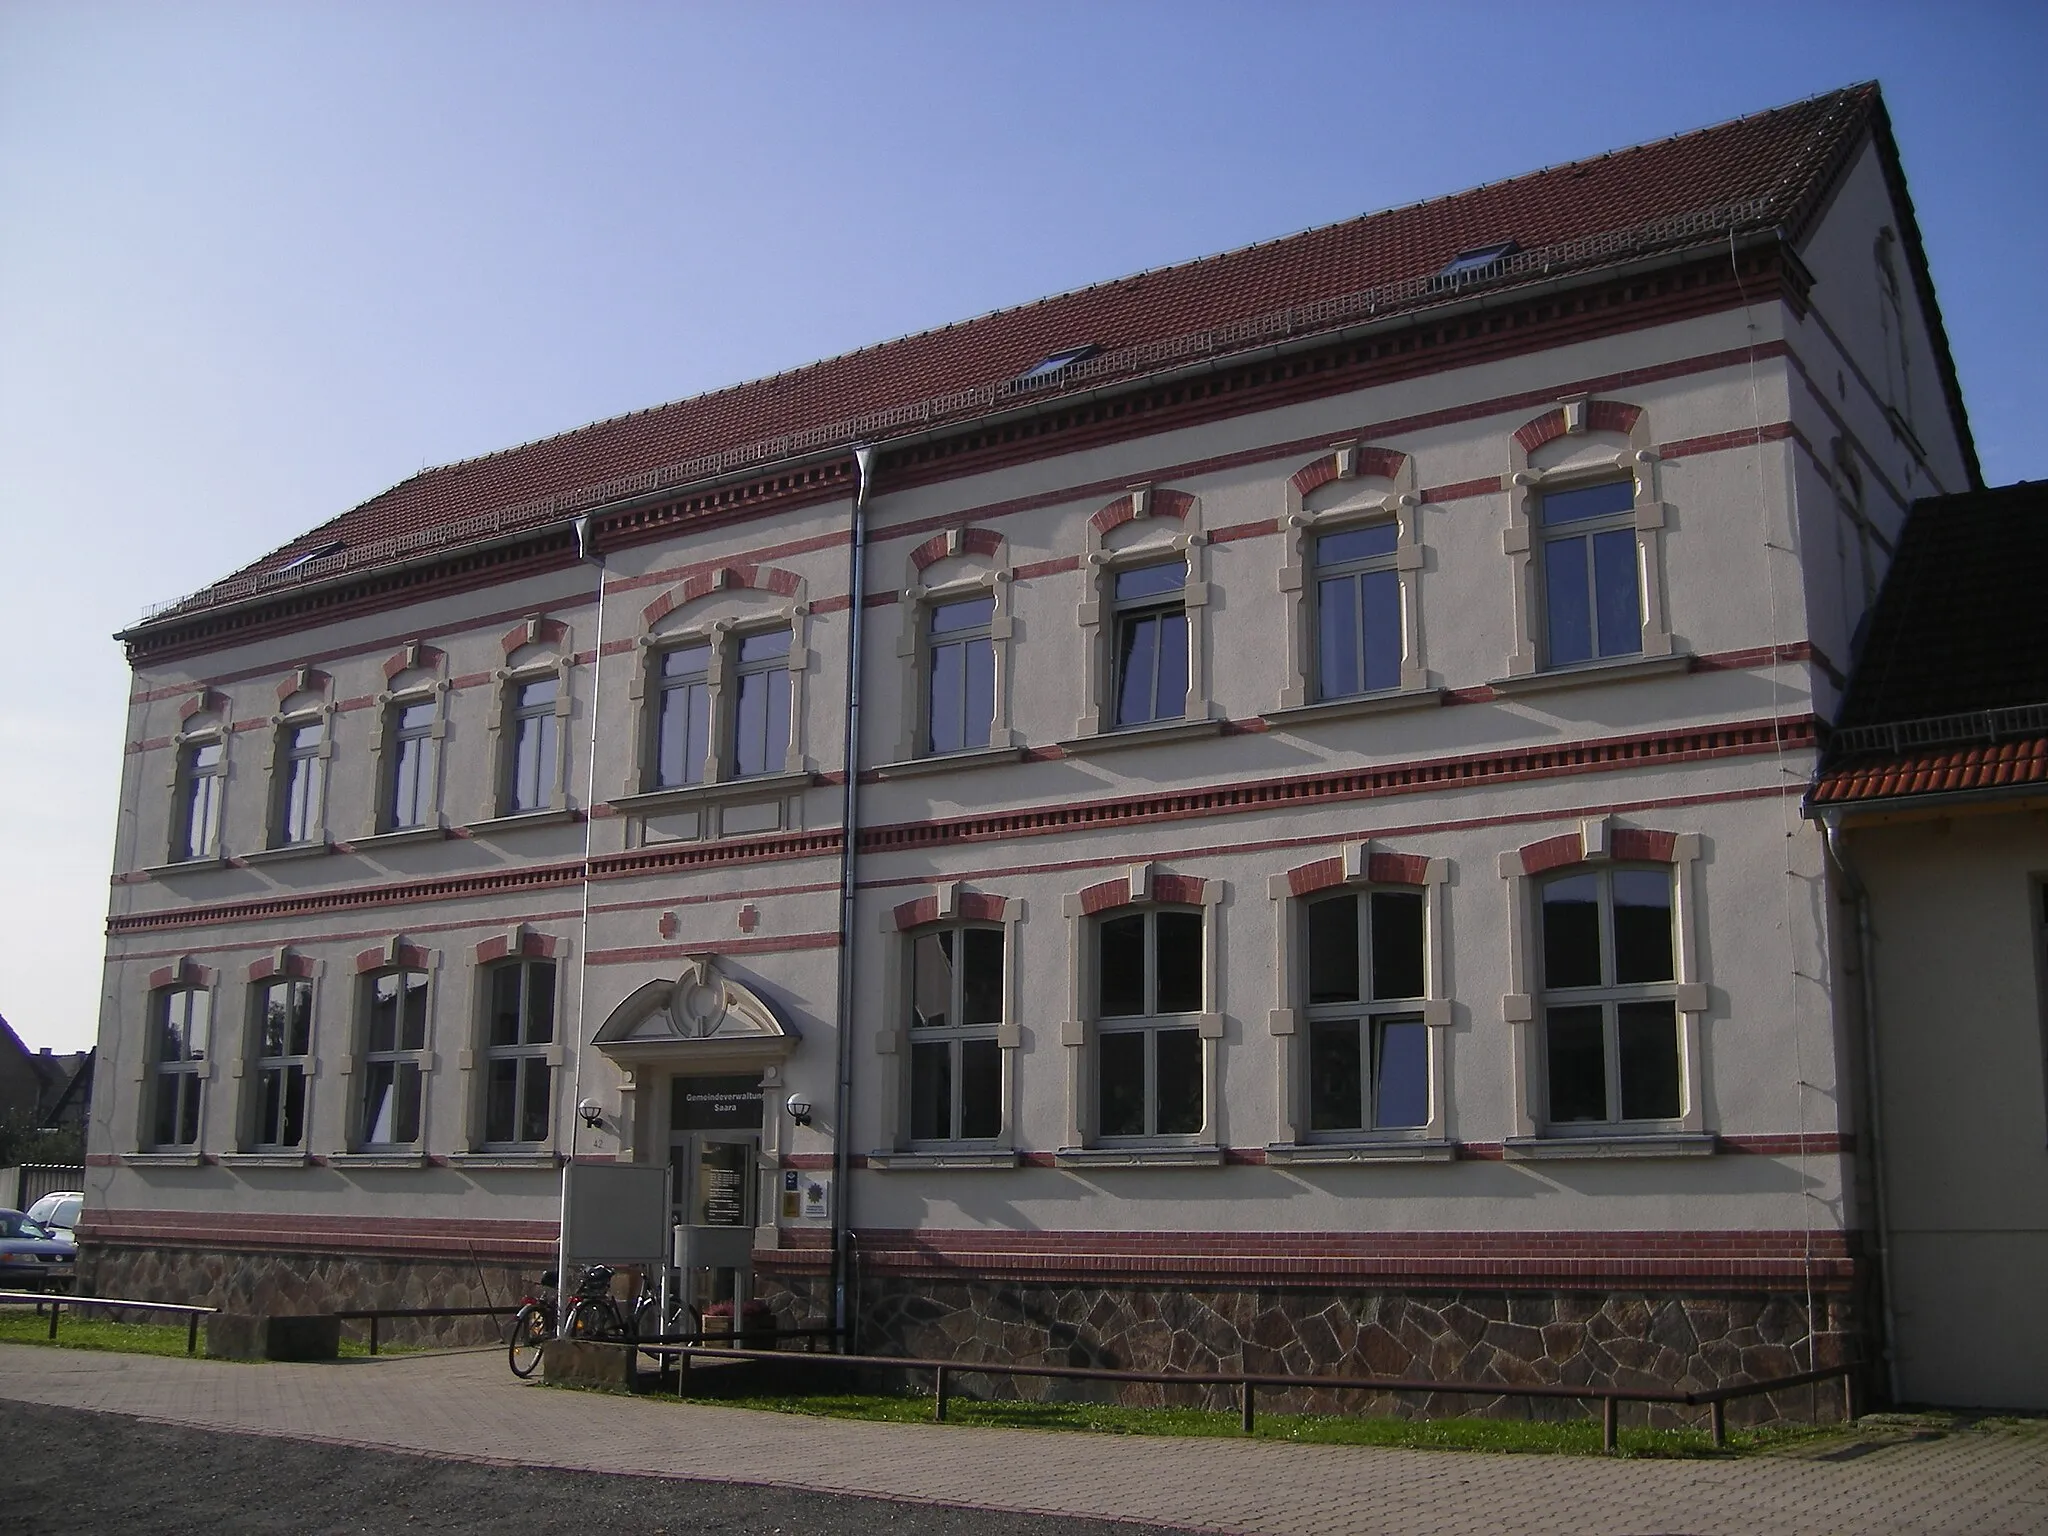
x: 714, y: 1156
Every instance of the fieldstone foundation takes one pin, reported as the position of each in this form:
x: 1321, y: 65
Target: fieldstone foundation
x: 277, y: 1284
x: 1515, y: 1338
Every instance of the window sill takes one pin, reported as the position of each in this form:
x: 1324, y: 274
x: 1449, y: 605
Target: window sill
x: 434, y: 834
x: 193, y: 1159
x: 285, y: 853
x: 1621, y: 1144
x: 279, y: 1159
x: 377, y: 1159
x: 1141, y: 736
x: 487, y: 1161
x: 1138, y: 1157
x: 947, y: 762
x: 186, y: 866
x: 1308, y: 1154
x: 497, y: 825
x: 1363, y: 704
x: 761, y: 786
x: 937, y: 1161
x: 1587, y: 673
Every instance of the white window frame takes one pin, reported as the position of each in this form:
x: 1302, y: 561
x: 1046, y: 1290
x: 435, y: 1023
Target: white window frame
x: 952, y: 569
x: 954, y: 1036
x: 262, y: 1067
x: 190, y: 781
x: 419, y: 1059
x: 288, y: 760
x: 1141, y: 530
x: 185, y: 1078
x: 1521, y: 1009
x: 1288, y: 1022
x: 547, y: 1054
x: 1083, y: 1030
x: 1581, y: 464
x: 508, y: 726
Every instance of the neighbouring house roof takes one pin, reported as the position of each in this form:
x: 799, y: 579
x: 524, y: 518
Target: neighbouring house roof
x: 1949, y: 694
x: 1769, y: 171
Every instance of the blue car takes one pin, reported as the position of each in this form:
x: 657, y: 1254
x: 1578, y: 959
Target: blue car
x: 30, y: 1255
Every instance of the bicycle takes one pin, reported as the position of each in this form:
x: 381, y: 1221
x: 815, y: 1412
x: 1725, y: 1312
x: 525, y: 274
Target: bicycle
x: 593, y: 1314
x: 533, y: 1326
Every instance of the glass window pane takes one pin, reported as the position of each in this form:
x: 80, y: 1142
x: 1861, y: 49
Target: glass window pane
x: 1333, y: 950
x: 407, y: 1093
x: 685, y: 723
x: 188, y: 1110
x: 208, y: 755
x: 981, y: 692
x: 1366, y: 543
x: 1122, y: 980
x: 688, y: 661
x: 535, y: 1102
x: 1614, y: 587
x: 1565, y: 602
x: 540, y: 1002
x: 292, y: 1131
x: 949, y: 663
x: 413, y: 1036
x: 275, y: 1022
x: 300, y: 1038
x: 382, y: 1033
x: 416, y: 717
x: 764, y: 647
x: 1179, y: 962
x: 1649, y: 1061
x: 778, y: 721
x: 164, y: 1126
x: 1571, y: 932
x: 1179, y: 1069
x: 1136, y: 656
x: 1588, y: 501
x: 1397, y: 944
x: 505, y: 1005
x: 1642, y: 925
x: 271, y: 1113
x: 1120, y: 1068
x: 198, y: 1024
x: 931, y: 1091
x: 1577, y: 1061
x: 1151, y: 580
x: 974, y: 613
x: 1336, y: 1084
x: 533, y: 695
x: 501, y: 1101
x: 981, y: 1089
x: 1400, y: 1075
x: 981, y: 976
x: 750, y: 725
x: 377, y: 1102
x: 1380, y: 593
x: 1337, y: 638
x: 1170, y: 699
x: 931, y: 984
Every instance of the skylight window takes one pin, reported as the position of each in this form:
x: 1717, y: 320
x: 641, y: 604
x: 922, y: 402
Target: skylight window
x: 1478, y: 259
x: 307, y: 557
x: 1057, y: 361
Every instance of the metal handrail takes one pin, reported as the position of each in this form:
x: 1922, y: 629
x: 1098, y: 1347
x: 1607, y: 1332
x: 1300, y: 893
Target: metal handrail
x: 1991, y: 725
x: 58, y: 1302
x: 1295, y: 320
x: 375, y: 1315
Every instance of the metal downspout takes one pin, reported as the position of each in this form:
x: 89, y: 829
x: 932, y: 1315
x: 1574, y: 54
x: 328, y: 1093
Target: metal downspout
x: 585, y: 550
x: 1873, y: 1088
x: 849, y: 823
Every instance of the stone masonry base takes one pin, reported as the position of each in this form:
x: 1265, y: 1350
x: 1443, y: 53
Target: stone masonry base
x: 270, y: 1284
x: 1516, y: 1338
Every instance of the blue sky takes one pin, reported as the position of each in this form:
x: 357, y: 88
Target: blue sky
x: 259, y: 262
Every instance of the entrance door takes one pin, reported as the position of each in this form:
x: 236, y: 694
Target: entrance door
x: 714, y: 1154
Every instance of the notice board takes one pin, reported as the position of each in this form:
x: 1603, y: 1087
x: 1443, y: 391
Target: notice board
x: 617, y: 1213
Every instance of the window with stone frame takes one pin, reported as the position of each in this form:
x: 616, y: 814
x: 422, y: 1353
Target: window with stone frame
x: 956, y: 996
x: 1149, y: 665
x: 532, y: 745
x: 1358, y: 611
x: 181, y: 1029
x: 519, y: 1049
x: 1149, y: 972
x: 760, y: 703
x: 960, y: 674
x: 1612, y: 1049
x: 1368, y: 1040
x: 681, y: 734
x: 202, y: 784
x: 1592, y: 599
x: 299, y: 783
x: 393, y: 1059
x: 719, y: 708
x: 412, y: 764
x: 281, y: 1060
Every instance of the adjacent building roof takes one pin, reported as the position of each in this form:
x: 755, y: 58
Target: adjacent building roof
x: 1949, y: 694
x: 1769, y: 171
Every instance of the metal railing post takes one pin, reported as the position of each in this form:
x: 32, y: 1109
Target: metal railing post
x: 56, y: 1306
x: 1246, y: 1412
x: 192, y: 1334
x: 1610, y: 1427
x: 1718, y: 1418
x: 373, y: 1333
x: 941, y: 1393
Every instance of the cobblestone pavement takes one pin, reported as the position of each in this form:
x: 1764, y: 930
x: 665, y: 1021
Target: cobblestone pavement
x: 467, y: 1406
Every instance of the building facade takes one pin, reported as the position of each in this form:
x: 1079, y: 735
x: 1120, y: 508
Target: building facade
x: 1294, y: 857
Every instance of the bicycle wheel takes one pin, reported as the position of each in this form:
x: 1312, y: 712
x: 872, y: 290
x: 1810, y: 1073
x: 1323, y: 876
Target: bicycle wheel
x: 530, y: 1329
x: 594, y: 1320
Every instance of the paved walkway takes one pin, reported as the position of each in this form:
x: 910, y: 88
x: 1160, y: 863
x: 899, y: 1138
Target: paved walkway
x: 470, y: 1407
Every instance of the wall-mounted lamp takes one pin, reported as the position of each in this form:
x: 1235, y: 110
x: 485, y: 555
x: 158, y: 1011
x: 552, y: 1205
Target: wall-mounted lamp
x: 799, y: 1109
x: 592, y: 1113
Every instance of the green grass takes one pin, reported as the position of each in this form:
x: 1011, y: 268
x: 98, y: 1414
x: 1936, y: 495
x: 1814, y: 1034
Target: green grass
x: 1569, y: 1437
x: 20, y: 1324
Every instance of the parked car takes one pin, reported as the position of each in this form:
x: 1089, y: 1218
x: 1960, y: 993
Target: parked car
x: 30, y: 1256
x: 58, y: 1211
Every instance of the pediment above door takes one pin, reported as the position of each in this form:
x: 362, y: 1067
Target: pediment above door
x: 702, y: 1020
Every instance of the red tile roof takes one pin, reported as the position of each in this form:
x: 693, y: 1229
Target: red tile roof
x: 1949, y: 694
x: 1771, y: 169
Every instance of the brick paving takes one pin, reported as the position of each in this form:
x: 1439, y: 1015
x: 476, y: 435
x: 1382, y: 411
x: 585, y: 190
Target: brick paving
x: 468, y: 1406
